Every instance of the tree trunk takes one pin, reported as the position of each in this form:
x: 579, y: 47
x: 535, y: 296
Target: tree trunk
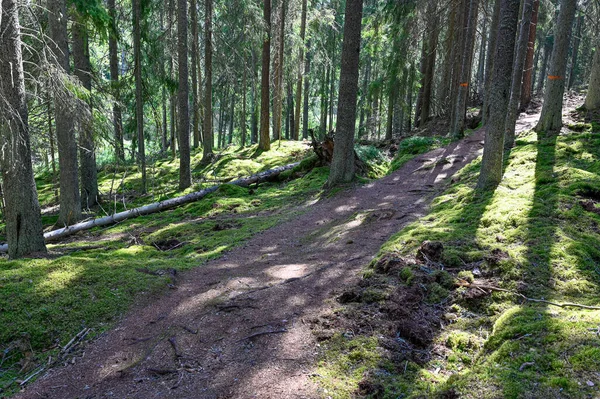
x: 342, y: 165
x: 254, y: 116
x: 114, y: 78
x: 324, y: 101
x: 517, y: 77
x: 409, y: 97
x: 291, y: 120
x: 207, y: 130
x: 481, y: 61
x: 267, y: 175
x: 70, y: 200
x: 296, y: 133
x: 548, y: 45
x: 194, y: 59
x: 139, y: 105
x: 87, y: 150
x: 490, y: 61
x: 185, y: 174
x: 243, y: 113
x: 306, y: 94
x: 551, y: 117
x: 22, y: 211
x: 278, y: 78
x: 264, y: 143
x: 458, y: 125
x: 430, y: 53
x: 592, y: 99
x: 529, y: 60
x: 499, y: 95
x: 231, y: 118
x: 575, y: 51
x: 444, y: 92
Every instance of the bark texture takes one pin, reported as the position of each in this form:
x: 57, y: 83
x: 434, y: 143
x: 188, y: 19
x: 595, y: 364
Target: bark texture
x: 342, y: 165
x: 592, y: 99
x: 264, y: 142
x: 185, y: 174
x: 87, y: 146
x: 491, y: 165
x: 490, y: 61
x: 113, y: 51
x: 22, y: 212
x: 70, y: 200
x: 529, y: 60
x: 207, y: 130
x: 551, y: 116
x: 458, y: 124
x: 139, y: 104
x: 515, y: 95
x: 296, y: 133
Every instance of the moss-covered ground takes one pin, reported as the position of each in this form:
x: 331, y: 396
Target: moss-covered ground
x: 90, y: 279
x: 538, y: 235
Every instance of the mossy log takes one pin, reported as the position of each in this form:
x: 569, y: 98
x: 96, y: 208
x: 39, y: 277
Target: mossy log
x: 55, y: 235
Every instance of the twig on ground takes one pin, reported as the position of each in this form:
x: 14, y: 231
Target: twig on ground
x: 283, y: 330
x: 463, y: 283
x: 31, y: 376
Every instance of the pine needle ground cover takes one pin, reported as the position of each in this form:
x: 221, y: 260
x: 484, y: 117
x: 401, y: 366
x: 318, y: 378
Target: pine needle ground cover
x: 410, y: 330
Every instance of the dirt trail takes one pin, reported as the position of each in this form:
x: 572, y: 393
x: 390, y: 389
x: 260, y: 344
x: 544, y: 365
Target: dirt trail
x: 235, y: 327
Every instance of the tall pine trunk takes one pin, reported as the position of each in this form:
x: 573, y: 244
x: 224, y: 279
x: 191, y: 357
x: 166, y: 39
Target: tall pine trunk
x: 70, y: 200
x: 296, y: 129
x: 458, y: 124
x: 430, y: 53
x: 515, y: 95
x: 22, y: 211
x: 551, y: 116
x: 139, y: 104
x: 195, y: 64
x: 342, y: 164
x: 87, y: 147
x: 185, y: 174
x: 306, y: 93
x: 528, y: 75
x: 499, y: 95
x: 113, y: 51
x: 592, y: 99
x: 485, y: 111
x: 264, y: 142
x: 207, y: 131
x: 278, y: 76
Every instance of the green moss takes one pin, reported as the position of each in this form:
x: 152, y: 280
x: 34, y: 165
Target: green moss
x: 499, y: 345
x: 48, y: 301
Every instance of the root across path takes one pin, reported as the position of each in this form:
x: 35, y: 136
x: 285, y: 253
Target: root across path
x: 237, y: 326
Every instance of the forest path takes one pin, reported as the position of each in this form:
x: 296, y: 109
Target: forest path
x: 236, y: 326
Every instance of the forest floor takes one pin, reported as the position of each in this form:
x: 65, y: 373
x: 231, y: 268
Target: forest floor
x: 275, y: 315
x: 238, y: 326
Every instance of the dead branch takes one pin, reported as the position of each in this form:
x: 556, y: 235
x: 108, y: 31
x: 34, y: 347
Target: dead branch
x: 159, y: 206
x: 463, y: 283
x: 258, y: 334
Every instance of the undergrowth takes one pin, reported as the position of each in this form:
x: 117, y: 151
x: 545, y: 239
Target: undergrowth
x: 537, y: 234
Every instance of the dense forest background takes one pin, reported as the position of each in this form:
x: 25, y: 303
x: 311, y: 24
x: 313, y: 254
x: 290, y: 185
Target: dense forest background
x: 88, y: 84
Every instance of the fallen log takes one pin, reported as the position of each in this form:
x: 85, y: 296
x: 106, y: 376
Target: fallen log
x: 159, y: 206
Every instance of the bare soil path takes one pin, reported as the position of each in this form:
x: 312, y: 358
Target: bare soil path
x: 236, y: 327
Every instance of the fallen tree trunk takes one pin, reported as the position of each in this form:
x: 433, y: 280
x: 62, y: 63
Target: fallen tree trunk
x: 159, y: 206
